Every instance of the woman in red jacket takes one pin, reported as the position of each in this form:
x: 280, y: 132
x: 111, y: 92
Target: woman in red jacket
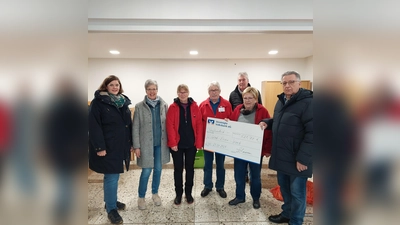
x: 250, y: 112
x: 185, y: 136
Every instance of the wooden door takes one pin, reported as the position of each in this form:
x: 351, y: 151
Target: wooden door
x: 270, y: 90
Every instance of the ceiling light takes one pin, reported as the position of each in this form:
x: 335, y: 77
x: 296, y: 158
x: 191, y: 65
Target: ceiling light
x: 273, y: 52
x: 114, y: 52
x: 194, y: 52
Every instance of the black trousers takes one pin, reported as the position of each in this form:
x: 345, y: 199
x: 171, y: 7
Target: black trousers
x: 184, y: 158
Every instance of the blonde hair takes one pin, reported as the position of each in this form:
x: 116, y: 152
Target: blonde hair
x: 251, y: 90
x: 182, y: 86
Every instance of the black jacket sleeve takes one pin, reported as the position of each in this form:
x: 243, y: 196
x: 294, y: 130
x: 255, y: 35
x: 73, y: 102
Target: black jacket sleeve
x: 96, y: 135
x: 269, y: 123
x: 304, y: 155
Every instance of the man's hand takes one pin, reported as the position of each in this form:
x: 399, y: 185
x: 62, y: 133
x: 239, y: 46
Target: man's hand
x: 175, y: 148
x: 263, y: 125
x: 300, y: 167
x: 102, y: 153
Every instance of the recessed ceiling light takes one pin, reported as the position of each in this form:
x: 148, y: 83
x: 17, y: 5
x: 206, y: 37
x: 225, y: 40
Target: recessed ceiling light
x: 114, y: 52
x: 194, y: 52
x: 273, y: 52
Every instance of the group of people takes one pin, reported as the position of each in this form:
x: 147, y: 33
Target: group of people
x: 158, y: 131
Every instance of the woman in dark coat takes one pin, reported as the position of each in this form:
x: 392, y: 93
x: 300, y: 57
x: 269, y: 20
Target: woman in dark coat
x: 110, y: 140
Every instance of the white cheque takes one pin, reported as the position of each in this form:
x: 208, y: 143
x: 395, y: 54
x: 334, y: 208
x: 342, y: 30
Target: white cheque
x: 235, y: 139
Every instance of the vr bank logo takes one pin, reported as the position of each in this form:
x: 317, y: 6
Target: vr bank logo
x: 210, y: 121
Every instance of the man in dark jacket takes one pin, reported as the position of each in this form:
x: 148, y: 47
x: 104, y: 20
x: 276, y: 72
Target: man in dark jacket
x: 292, y: 147
x: 235, y: 98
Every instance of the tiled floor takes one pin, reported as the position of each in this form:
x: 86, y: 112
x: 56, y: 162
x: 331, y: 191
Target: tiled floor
x: 211, y: 209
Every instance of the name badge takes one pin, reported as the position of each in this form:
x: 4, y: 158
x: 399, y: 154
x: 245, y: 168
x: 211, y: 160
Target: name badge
x: 221, y: 109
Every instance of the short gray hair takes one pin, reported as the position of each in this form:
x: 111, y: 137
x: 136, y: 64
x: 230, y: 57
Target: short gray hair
x: 291, y: 73
x: 150, y: 82
x: 214, y: 83
x: 244, y: 74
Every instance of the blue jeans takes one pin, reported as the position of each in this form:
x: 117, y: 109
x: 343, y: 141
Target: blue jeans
x: 293, y: 189
x: 110, y: 186
x: 247, y: 169
x: 144, y: 177
x: 65, y: 193
x: 240, y: 179
x: 208, y: 169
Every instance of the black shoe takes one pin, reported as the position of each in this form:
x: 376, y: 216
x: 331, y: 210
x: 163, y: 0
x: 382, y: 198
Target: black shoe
x: 178, y: 200
x: 205, y: 192
x: 278, y: 219
x: 114, y: 217
x: 256, y: 204
x: 120, y: 206
x: 235, y: 201
x: 189, y: 199
x: 221, y: 193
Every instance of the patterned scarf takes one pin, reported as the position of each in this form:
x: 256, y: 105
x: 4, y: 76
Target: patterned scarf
x: 152, y: 102
x: 118, y: 100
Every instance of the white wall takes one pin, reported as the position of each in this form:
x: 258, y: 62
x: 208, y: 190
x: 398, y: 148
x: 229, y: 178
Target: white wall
x: 195, y: 73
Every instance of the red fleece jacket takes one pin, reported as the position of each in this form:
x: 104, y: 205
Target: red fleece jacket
x: 261, y: 113
x: 224, y: 111
x: 173, y: 124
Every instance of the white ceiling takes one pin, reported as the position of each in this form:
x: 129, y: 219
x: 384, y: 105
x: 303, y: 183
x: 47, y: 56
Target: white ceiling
x: 176, y: 45
x: 234, y: 29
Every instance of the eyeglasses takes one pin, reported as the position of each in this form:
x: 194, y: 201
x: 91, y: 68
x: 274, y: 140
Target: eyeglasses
x: 213, y: 90
x: 248, y: 98
x: 151, y: 89
x: 291, y: 82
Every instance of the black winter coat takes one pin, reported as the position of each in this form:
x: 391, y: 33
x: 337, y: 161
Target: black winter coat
x: 110, y: 129
x: 292, y: 134
x: 235, y: 98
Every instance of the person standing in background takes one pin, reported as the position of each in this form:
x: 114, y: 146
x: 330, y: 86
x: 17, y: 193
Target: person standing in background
x: 250, y: 112
x: 110, y: 140
x: 217, y: 107
x: 292, y: 148
x: 236, y: 98
x: 150, y: 141
x: 185, y: 137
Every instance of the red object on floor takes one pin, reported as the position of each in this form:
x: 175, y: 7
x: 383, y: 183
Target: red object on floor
x: 276, y: 192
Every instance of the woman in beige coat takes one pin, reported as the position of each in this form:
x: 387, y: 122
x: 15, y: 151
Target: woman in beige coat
x: 150, y: 141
